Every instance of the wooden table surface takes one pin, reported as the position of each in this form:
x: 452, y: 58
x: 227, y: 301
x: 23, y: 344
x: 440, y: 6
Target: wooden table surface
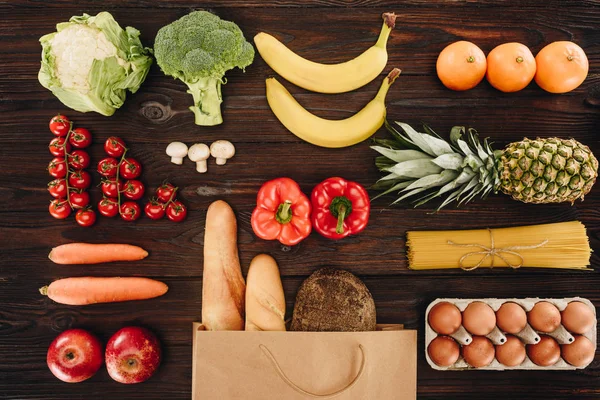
x: 325, y: 31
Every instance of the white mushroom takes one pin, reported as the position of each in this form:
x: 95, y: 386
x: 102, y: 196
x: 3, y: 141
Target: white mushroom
x: 177, y: 150
x: 222, y: 150
x: 199, y: 153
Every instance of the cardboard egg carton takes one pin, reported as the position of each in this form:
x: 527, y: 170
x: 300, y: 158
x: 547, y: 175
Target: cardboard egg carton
x: 527, y: 335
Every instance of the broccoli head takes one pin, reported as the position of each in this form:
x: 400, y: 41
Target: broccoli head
x: 198, y: 49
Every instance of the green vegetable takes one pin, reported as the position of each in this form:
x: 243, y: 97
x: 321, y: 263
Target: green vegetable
x: 198, y: 49
x: 90, y: 62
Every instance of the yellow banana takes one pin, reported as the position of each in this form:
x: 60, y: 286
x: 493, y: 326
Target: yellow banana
x: 327, y: 78
x: 323, y: 132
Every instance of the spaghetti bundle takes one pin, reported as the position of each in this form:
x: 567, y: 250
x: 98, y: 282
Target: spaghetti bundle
x: 559, y: 245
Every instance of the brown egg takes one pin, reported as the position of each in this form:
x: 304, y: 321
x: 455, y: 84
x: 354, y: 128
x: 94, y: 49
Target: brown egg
x: 544, y: 317
x: 480, y: 353
x: 443, y: 351
x: 511, y: 353
x: 578, y: 317
x: 511, y: 318
x: 544, y: 353
x: 479, y: 318
x: 579, y: 353
x: 444, y: 318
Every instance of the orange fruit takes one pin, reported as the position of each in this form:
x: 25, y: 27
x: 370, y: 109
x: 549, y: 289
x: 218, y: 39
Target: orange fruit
x: 461, y: 65
x: 561, y: 67
x: 511, y: 67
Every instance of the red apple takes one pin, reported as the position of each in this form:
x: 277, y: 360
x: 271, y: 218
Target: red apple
x: 132, y: 355
x: 74, y: 356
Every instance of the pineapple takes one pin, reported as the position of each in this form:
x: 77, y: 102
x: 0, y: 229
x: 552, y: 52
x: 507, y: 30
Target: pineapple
x: 422, y: 166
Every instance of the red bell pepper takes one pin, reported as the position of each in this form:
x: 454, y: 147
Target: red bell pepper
x: 282, y: 212
x: 340, y: 208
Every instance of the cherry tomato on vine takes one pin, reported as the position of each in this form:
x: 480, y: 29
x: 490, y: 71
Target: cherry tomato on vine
x: 110, y: 188
x: 80, y: 138
x: 59, y: 208
x: 108, y: 207
x: 57, y: 167
x: 60, y: 125
x: 58, y: 146
x: 165, y: 192
x: 155, y: 209
x: 79, y: 200
x: 176, y: 211
x: 80, y: 180
x: 79, y: 159
x: 130, y: 168
x: 108, y: 167
x: 130, y: 211
x: 58, y: 188
x: 133, y: 189
x: 85, y: 217
x: 114, y: 146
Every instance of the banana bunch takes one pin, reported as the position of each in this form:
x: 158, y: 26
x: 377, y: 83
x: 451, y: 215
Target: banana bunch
x: 328, y: 78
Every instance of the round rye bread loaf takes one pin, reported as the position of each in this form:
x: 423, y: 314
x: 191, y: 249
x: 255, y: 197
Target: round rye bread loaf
x: 333, y: 300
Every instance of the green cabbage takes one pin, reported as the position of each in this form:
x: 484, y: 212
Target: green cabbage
x: 90, y: 62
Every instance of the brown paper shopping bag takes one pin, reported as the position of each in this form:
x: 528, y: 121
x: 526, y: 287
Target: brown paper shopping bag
x: 229, y: 365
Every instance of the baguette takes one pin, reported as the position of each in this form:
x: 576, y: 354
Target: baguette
x: 265, y: 301
x: 223, y: 287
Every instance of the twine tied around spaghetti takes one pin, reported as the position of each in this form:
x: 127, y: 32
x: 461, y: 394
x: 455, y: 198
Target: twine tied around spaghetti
x: 493, y: 252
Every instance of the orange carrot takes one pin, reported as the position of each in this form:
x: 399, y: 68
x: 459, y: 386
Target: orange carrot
x: 88, y: 290
x: 87, y: 253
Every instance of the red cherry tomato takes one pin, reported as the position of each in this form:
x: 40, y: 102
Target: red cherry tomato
x: 110, y: 188
x: 58, y: 188
x: 79, y: 200
x: 108, y: 167
x: 80, y: 180
x: 108, y: 207
x: 57, y: 167
x: 165, y: 192
x: 130, y: 168
x: 130, y: 211
x: 176, y: 211
x: 155, y: 210
x: 85, y: 217
x: 60, y: 125
x: 80, y: 138
x: 59, y: 208
x: 114, y: 146
x: 79, y: 159
x: 58, y: 146
x: 133, y: 189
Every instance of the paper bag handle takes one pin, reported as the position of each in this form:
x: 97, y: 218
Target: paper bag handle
x: 298, y: 389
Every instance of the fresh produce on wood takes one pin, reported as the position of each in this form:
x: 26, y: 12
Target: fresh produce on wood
x: 559, y: 245
x: 265, y: 300
x: 282, y: 212
x: 90, y: 63
x: 333, y: 300
x: 510, y: 67
x: 327, y: 78
x: 167, y: 203
x: 85, y: 216
x: 177, y: 151
x: 88, y: 253
x: 82, y: 291
x: 461, y: 65
x: 340, y: 208
x: 133, y: 354
x: 199, y: 153
x: 324, y: 132
x: 561, y: 67
x: 222, y: 150
x: 60, y: 125
x: 74, y: 356
x: 80, y: 138
x: 549, y: 170
x: 223, y: 287
x: 199, y: 49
